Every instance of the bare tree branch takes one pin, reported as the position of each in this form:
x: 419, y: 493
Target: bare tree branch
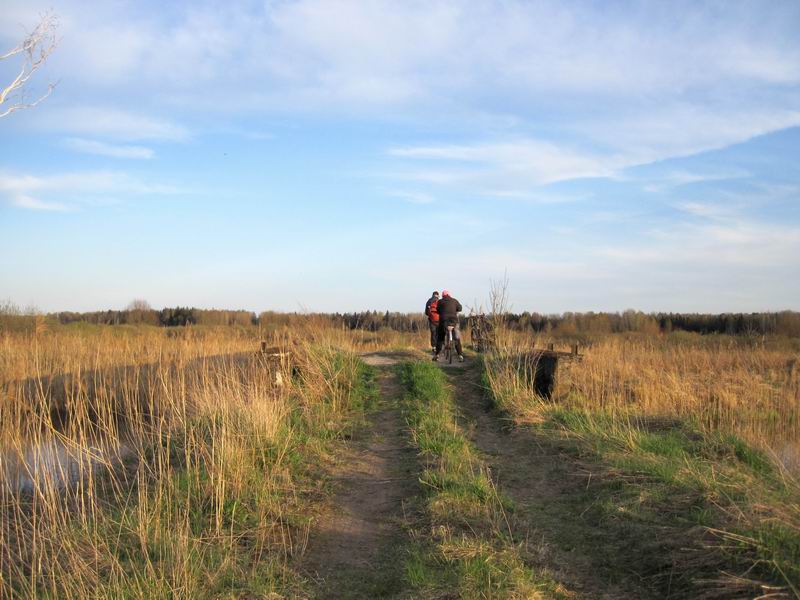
x: 36, y: 48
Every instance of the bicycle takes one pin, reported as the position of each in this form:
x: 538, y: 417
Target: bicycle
x: 448, y: 344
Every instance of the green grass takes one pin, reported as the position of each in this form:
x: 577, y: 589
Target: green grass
x: 464, y: 544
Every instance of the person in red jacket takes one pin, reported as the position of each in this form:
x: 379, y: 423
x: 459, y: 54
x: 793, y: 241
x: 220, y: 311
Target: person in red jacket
x: 448, y: 309
x: 432, y: 313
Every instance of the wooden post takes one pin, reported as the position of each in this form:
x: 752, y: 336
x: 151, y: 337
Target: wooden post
x: 575, y: 349
x: 550, y: 346
x: 263, y: 346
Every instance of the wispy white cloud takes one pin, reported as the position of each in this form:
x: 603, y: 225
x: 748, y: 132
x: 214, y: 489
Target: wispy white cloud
x: 249, y: 134
x: 670, y: 180
x: 81, y: 181
x: 664, y: 131
x: 105, y: 149
x: 706, y: 210
x: 537, y: 197
x: 58, y: 192
x: 518, y: 162
x: 110, y: 123
x: 30, y: 203
x: 519, y: 166
x: 729, y: 244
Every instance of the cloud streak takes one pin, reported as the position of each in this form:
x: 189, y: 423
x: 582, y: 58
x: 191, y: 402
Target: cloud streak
x: 32, y: 191
x: 111, y: 123
x: 104, y: 149
x: 30, y: 203
x: 534, y: 161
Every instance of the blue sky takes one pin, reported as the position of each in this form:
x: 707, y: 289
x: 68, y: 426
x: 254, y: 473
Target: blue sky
x: 332, y: 155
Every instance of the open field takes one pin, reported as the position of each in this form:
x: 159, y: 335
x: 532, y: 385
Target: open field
x: 220, y: 222
x: 145, y: 462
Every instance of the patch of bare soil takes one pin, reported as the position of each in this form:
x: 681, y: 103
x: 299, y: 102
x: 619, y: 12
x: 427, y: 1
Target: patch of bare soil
x: 468, y: 362
x: 543, y: 483
x: 386, y: 359
x: 355, y: 549
x: 383, y: 359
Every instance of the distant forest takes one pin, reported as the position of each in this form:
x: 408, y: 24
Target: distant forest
x: 780, y: 323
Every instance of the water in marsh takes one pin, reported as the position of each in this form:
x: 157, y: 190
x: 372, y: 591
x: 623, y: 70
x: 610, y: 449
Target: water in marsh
x: 789, y: 456
x: 55, y: 463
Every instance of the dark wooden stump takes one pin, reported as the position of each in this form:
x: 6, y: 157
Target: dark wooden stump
x: 541, y: 368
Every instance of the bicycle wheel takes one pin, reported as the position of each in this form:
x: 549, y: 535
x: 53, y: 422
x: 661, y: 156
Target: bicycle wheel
x: 450, y: 351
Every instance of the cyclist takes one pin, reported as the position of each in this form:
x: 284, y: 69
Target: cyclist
x: 433, y: 318
x: 448, y: 308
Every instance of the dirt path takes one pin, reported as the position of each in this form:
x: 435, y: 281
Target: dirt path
x: 355, y: 550
x: 543, y: 483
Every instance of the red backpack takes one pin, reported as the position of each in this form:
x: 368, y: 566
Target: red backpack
x: 434, y: 312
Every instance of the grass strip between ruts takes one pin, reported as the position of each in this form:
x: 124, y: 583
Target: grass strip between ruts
x: 464, y: 543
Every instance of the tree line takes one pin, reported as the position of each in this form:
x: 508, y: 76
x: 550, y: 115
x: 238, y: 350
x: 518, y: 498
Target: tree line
x: 761, y: 323
x: 572, y: 323
x: 167, y: 317
x: 568, y: 323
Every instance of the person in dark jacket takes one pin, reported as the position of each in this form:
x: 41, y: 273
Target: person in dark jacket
x: 448, y: 308
x: 433, y: 318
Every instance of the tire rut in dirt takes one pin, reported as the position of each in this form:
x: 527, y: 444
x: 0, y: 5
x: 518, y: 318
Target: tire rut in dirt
x: 356, y: 548
x: 543, y: 483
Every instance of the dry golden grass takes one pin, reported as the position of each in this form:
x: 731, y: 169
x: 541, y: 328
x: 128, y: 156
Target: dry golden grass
x: 682, y: 420
x: 152, y: 463
x: 721, y: 385
x: 178, y: 450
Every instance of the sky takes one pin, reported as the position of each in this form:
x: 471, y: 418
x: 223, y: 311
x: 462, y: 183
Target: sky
x: 332, y: 155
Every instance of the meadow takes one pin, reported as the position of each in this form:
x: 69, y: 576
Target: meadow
x: 153, y: 462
